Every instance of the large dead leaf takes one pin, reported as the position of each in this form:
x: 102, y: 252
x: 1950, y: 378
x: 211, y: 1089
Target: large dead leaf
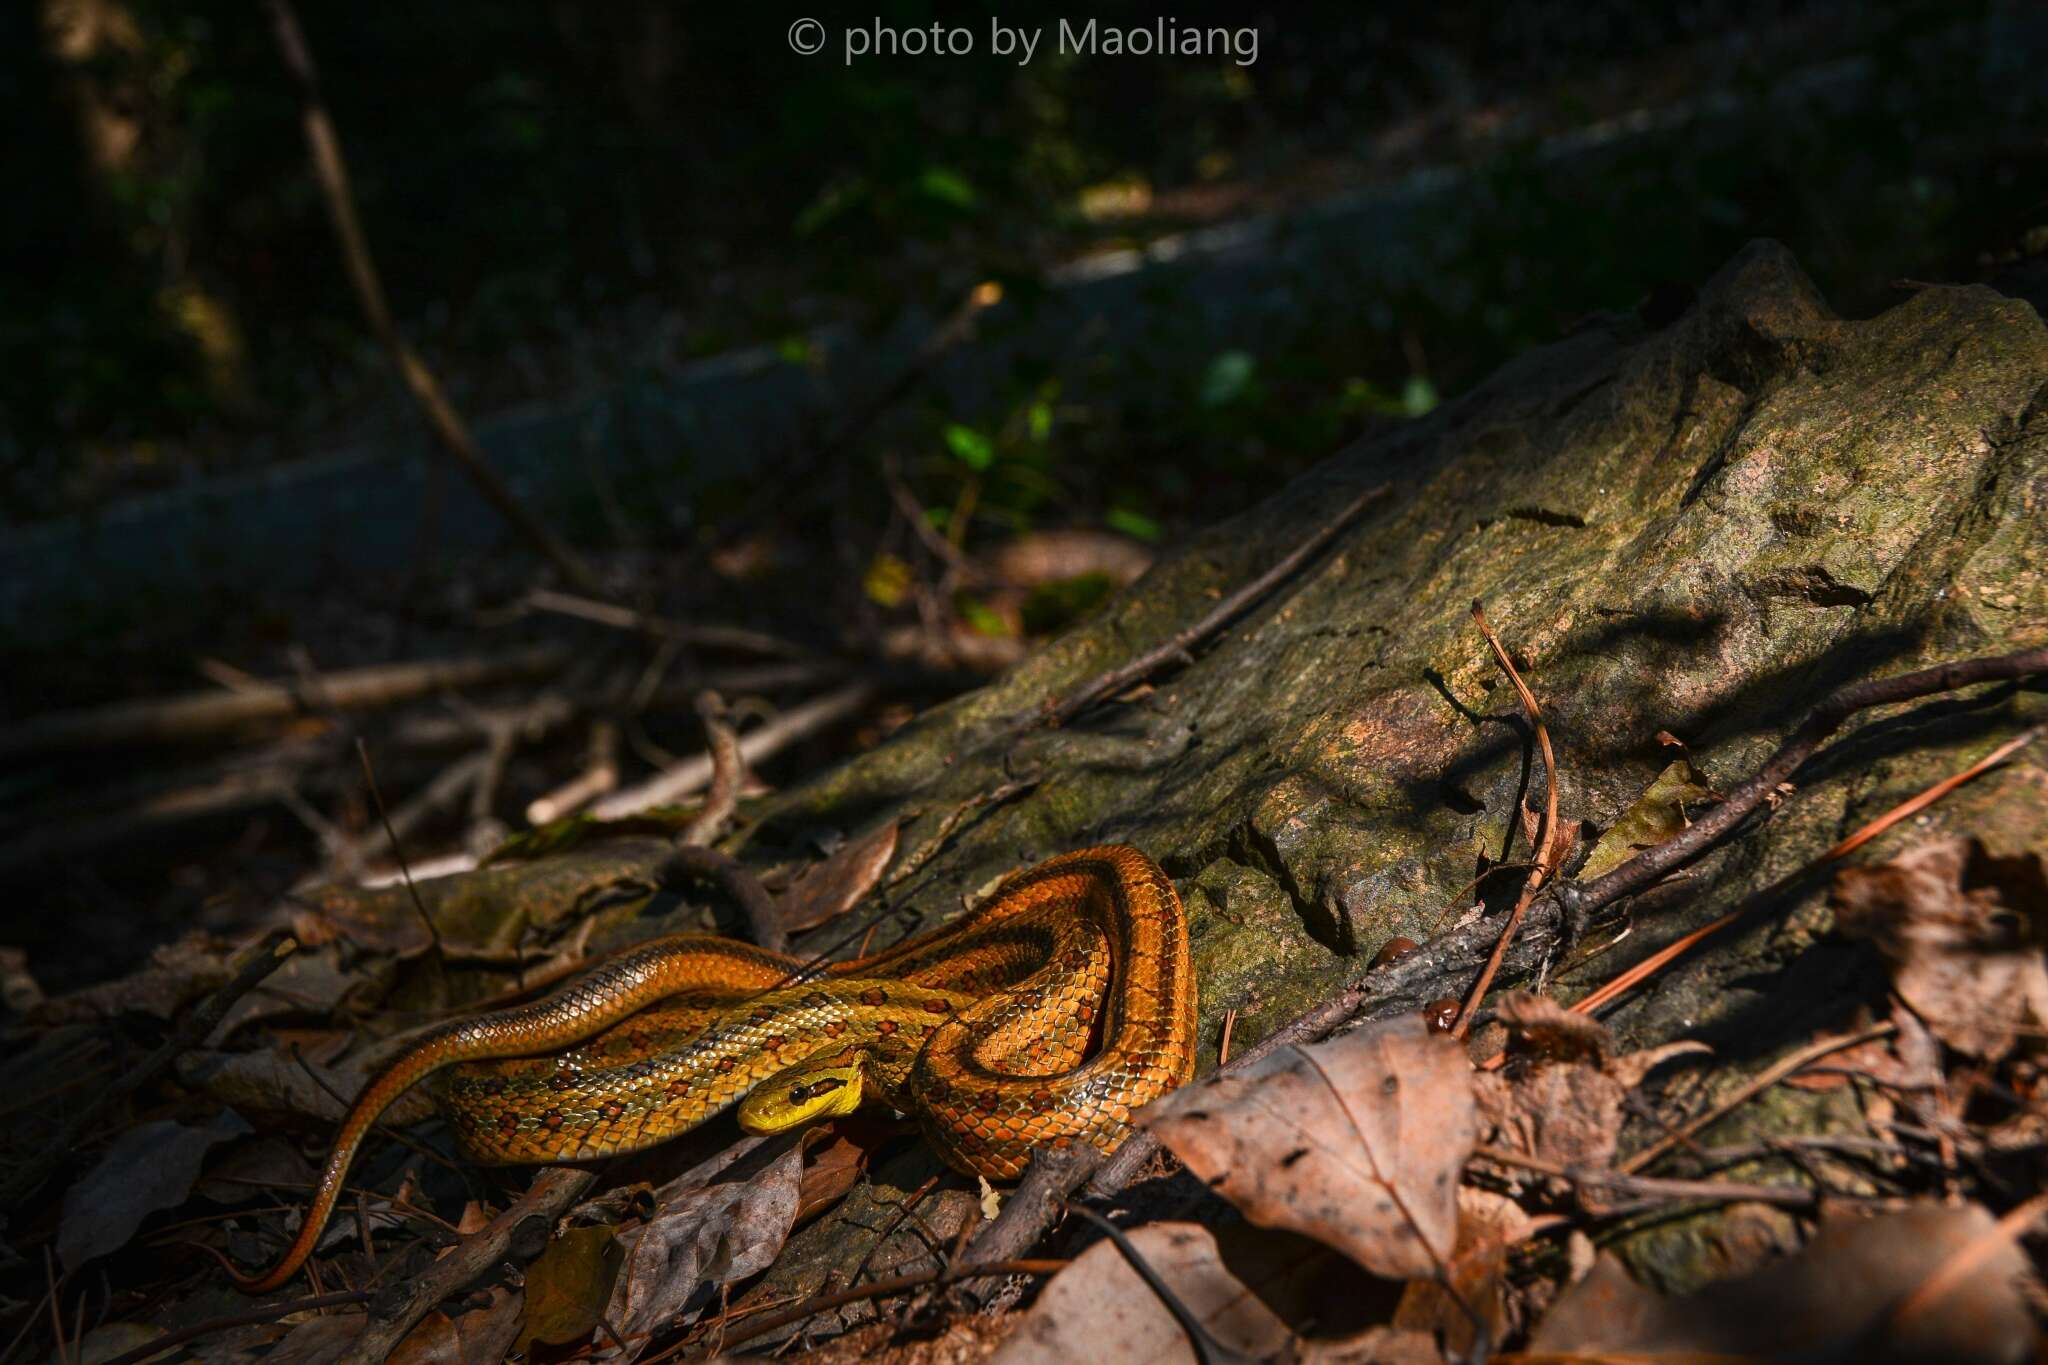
x: 1256, y: 1292
x: 1661, y: 812
x: 1357, y: 1142
x: 148, y: 1168
x: 1561, y: 1096
x: 1963, y: 931
x: 1838, y: 1299
x: 834, y: 886
x: 706, y: 1231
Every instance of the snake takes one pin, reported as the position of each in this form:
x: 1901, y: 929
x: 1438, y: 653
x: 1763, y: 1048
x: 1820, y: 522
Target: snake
x: 1044, y: 1018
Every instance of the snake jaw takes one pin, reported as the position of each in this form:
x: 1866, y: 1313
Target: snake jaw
x: 800, y: 1095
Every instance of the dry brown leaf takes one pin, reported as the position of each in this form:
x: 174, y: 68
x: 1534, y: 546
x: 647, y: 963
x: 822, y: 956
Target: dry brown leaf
x: 829, y: 889
x: 1909, y: 1059
x: 1663, y: 810
x: 834, y: 1161
x: 1825, y: 1303
x: 1097, y: 1309
x: 1538, y: 1026
x: 1489, y: 1226
x: 1963, y: 931
x: 318, y: 1341
x: 1256, y: 1291
x: 271, y: 1082
x: 481, y: 1336
x: 1357, y: 1142
x: 705, y: 1232
x: 1561, y: 1096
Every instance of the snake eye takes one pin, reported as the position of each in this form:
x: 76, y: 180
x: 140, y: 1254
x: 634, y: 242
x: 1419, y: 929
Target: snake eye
x: 798, y: 1094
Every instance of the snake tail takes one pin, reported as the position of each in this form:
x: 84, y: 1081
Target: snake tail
x: 617, y: 989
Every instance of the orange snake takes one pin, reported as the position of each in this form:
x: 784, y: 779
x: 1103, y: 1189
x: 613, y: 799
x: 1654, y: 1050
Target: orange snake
x: 982, y: 1030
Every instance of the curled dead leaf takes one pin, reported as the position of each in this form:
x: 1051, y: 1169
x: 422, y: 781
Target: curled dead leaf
x: 1357, y: 1142
x: 1561, y: 1096
x: 1963, y: 931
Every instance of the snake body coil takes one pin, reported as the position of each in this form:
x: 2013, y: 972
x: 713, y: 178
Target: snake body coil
x: 1044, y: 1018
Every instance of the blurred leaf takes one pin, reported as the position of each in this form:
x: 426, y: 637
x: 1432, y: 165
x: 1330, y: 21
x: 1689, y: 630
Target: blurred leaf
x: 981, y: 619
x: 797, y: 349
x: 969, y: 446
x: 1418, y: 396
x: 832, y: 202
x: 1228, y: 377
x: 948, y: 187
x: 887, y: 580
x: 1038, y: 419
x: 1136, y: 525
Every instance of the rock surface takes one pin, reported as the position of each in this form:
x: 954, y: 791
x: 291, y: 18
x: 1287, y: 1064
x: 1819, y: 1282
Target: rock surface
x: 1698, y: 530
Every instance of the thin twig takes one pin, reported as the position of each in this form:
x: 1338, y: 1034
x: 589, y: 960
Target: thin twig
x: 1059, y: 710
x: 878, y: 1289
x: 259, y: 962
x: 1761, y: 1082
x: 738, y: 639
x: 330, y: 170
x: 728, y: 771
x: 760, y: 743
x: 1657, y: 961
x: 600, y: 774
x: 1547, y: 843
x: 1653, y: 864
x: 1785, y: 1196
x: 1907, y: 809
x: 205, y: 715
x: 56, y: 1306
x: 398, y: 853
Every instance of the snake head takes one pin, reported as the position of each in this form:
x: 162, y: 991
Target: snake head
x: 801, y: 1095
